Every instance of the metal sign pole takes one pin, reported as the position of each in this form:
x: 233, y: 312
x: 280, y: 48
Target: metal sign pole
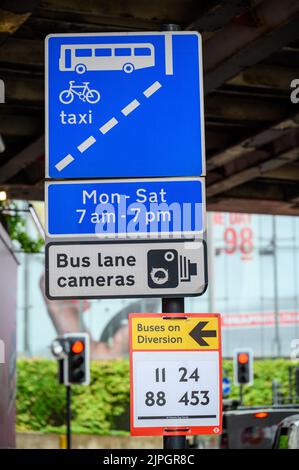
x: 68, y: 417
x: 241, y: 394
x: 173, y: 306
x: 174, y: 442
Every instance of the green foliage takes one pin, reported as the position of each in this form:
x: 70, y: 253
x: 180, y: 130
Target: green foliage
x: 95, y: 409
x: 264, y: 372
x: 98, y: 409
x: 16, y: 225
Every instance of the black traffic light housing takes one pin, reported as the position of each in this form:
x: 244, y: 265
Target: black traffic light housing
x: 243, y: 367
x: 72, y: 353
x: 76, y: 362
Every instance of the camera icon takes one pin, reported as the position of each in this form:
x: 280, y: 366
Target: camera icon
x: 166, y: 269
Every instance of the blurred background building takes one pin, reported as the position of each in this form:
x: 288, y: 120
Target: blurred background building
x: 253, y: 283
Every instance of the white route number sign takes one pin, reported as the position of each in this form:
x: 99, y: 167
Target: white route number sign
x: 175, y: 374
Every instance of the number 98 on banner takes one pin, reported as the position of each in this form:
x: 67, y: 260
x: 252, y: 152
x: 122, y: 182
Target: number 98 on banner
x: 175, y: 374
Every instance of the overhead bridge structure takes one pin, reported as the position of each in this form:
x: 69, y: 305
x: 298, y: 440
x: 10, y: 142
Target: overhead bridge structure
x: 251, y: 58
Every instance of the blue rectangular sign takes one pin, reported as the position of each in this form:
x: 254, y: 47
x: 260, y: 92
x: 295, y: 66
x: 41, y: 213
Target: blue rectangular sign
x: 124, y: 105
x: 126, y: 208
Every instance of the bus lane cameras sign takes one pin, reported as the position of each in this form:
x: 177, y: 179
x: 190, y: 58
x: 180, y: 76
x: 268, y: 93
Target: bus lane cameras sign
x: 176, y: 384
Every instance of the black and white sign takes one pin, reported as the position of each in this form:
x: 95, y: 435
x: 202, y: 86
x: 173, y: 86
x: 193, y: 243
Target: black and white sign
x: 125, y: 269
x: 176, y: 389
x: 175, y: 373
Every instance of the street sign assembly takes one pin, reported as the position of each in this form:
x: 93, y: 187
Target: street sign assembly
x: 176, y: 384
x: 125, y: 160
x: 125, y: 269
x: 123, y: 208
x: 124, y: 105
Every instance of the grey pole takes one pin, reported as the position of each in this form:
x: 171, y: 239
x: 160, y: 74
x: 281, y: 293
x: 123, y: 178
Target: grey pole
x: 241, y: 394
x: 175, y: 305
x: 68, y: 417
x: 275, y: 281
x: 171, y: 27
x: 212, y: 308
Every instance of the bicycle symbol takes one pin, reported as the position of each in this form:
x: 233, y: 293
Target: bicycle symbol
x: 82, y: 91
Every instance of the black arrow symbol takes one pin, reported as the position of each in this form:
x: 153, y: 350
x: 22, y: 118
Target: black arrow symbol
x: 198, y: 333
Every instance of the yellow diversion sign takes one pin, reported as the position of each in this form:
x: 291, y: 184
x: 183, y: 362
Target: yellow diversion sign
x: 170, y: 332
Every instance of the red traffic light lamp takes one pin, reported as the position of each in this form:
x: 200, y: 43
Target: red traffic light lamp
x: 243, y: 358
x: 77, y: 347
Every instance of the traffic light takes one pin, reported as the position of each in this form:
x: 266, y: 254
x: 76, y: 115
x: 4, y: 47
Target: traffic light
x: 243, y: 366
x: 72, y: 352
x: 76, y: 363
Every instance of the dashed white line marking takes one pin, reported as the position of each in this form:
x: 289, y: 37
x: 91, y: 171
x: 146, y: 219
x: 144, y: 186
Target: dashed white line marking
x: 152, y: 89
x: 130, y: 107
x: 64, y: 162
x: 108, y: 125
x: 86, y: 144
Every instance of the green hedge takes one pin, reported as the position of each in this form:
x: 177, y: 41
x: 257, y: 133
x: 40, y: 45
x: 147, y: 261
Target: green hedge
x: 264, y: 372
x: 95, y: 409
x: 102, y: 408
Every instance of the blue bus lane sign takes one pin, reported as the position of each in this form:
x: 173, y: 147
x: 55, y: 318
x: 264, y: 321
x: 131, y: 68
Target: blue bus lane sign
x: 157, y: 208
x: 124, y: 105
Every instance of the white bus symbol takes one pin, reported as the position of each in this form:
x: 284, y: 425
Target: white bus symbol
x: 126, y: 57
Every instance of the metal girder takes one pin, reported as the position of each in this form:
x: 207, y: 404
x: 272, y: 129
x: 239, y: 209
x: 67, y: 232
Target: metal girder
x: 27, y: 156
x: 218, y: 14
x: 266, y: 76
x: 265, y: 29
x: 23, y: 191
x: 288, y: 173
x: 24, y: 52
x: 268, y: 189
x: 295, y: 203
x: 13, y: 14
x: 236, y: 107
x: 253, y: 206
x: 37, y: 26
x: 102, y: 23
x: 217, y: 137
x: 133, y: 14
x: 259, y: 196
x: 251, y: 143
x: 21, y: 125
x: 23, y: 89
x: 252, y: 172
